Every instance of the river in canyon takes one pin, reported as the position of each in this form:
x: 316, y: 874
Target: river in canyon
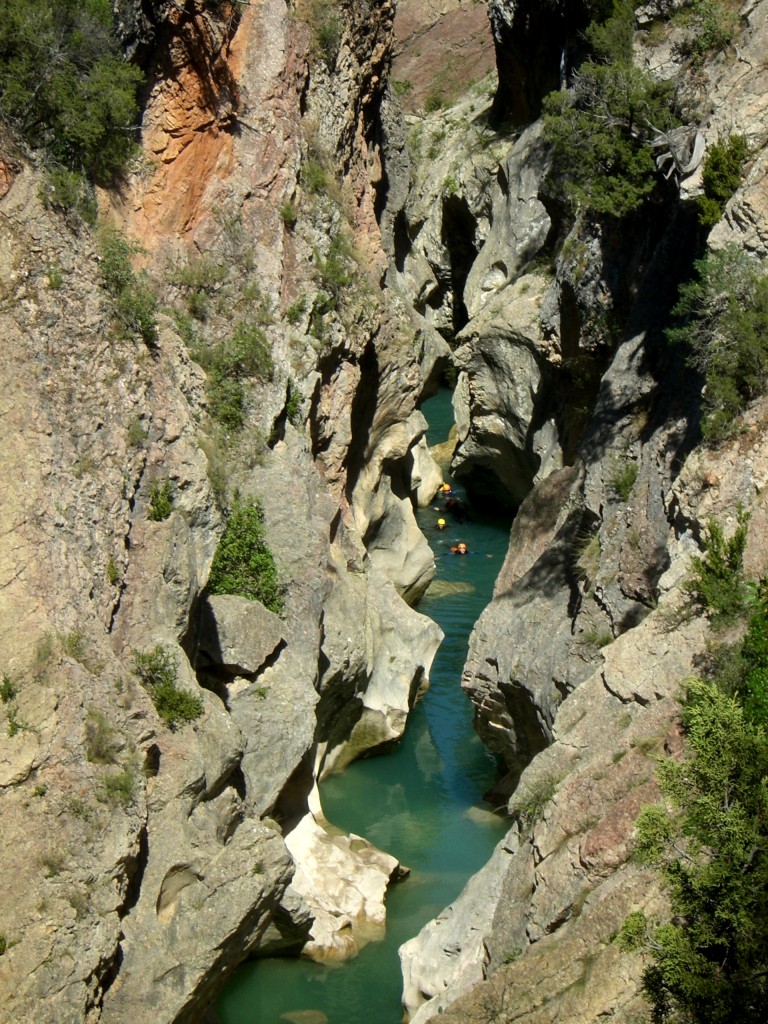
x: 422, y: 802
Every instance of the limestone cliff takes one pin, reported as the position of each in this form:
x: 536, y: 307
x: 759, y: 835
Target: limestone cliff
x: 575, y: 668
x: 143, y: 861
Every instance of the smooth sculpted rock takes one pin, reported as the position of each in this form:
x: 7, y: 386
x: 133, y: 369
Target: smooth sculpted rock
x: 448, y: 955
x: 379, y: 653
x: 519, y: 221
x: 384, y: 511
x: 504, y: 402
x: 514, y: 681
x: 343, y: 880
x: 426, y: 475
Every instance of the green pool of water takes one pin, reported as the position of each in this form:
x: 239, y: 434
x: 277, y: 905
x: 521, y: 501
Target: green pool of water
x: 422, y: 802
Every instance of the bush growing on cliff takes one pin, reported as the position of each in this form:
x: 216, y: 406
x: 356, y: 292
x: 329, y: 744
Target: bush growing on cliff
x: 723, y: 319
x: 712, y: 25
x: 721, y: 176
x: 244, y: 354
x: 709, y: 840
x: 599, y: 131
x: 64, y: 86
x: 328, y: 28
x: 610, y: 33
x: 8, y: 690
x: 134, y: 297
x: 243, y: 563
x: 156, y: 670
x: 160, y: 501
x: 717, y: 581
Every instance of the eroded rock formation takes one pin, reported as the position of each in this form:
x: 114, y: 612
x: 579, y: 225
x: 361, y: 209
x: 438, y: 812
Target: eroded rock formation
x: 575, y: 669
x: 142, y: 862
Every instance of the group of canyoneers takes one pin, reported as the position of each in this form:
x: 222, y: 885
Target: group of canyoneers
x: 457, y: 511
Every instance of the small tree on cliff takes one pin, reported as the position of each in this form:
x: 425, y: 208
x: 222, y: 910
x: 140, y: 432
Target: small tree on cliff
x: 709, y: 839
x: 64, y: 86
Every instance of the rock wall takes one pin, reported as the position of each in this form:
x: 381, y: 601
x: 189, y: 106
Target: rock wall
x: 575, y: 668
x: 143, y: 863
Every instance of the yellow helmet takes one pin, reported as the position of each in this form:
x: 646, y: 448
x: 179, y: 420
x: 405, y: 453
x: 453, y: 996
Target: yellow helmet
x: 441, y: 522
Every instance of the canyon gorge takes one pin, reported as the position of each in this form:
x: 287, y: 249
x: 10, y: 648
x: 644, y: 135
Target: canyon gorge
x: 331, y: 210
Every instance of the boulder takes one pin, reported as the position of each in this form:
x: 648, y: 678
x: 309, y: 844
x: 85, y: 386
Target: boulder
x: 238, y: 635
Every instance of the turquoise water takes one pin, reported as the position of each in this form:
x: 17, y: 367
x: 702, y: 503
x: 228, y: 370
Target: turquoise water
x: 422, y: 802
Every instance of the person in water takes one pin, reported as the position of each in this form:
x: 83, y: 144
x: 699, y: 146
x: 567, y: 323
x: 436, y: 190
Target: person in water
x: 459, y: 549
x: 441, y: 524
x: 445, y: 489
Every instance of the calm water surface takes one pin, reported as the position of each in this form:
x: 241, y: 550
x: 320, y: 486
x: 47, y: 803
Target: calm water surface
x: 422, y: 802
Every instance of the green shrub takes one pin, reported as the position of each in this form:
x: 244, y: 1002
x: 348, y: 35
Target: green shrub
x: 137, y: 434
x: 199, y: 275
x: 245, y: 354
x: 433, y: 102
x: 623, y: 480
x: 289, y: 214
x: 600, y: 133
x: 610, y: 39
x: 293, y: 404
x: 118, y: 788
x: 54, y: 861
x: 248, y: 353
x: 313, y: 176
x: 55, y: 277
x: 3, y: 944
x: 717, y: 581
x: 135, y: 300
x: 8, y: 690
x: 712, y: 25
x: 156, y: 669
x: 226, y: 399
x: 160, y: 501
x: 752, y: 686
x: 75, y: 645
x: 116, y: 261
x: 64, y: 85
x: 328, y: 29
x: 529, y: 802
x: 721, y: 176
x: 336, y: 270
x: 69, y: 192
x: 722, y: 317
x: 296, y: 311
x: 218, y: 476
x: 198, y: 305
x: 243, y: 563
x: 101, y: 740
x: 137, y: 310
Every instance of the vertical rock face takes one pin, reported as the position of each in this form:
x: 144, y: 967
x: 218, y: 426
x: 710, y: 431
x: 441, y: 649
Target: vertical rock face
x: 142, y: 862
x: 575, y: 669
